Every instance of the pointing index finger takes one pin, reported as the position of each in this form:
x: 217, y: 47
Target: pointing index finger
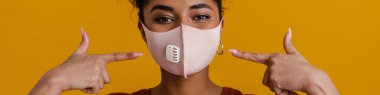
x: 113, y: 57
x: 254, y: 57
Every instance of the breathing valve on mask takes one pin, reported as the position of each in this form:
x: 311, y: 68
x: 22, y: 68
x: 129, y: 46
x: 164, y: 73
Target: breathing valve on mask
x: 173, y: 53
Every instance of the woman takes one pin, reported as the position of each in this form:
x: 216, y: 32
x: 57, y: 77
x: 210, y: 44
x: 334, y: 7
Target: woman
x: 183, y: 37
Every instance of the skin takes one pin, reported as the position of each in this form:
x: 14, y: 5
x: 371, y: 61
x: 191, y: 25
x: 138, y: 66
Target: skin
x: 87, y: 72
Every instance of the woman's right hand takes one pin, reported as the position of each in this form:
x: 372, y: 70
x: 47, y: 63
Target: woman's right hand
x: 81, y: 71
x: 290, y: 72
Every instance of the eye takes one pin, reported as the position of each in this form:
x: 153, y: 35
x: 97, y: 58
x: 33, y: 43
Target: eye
x: 201, y: 17
x: 163, y: 19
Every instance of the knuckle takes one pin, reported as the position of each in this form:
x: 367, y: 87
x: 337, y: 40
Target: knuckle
x: 276, y: 59
x: 116, y: 56
x: 244, y: 53
x: 254, y: 55
x: 273, y: 61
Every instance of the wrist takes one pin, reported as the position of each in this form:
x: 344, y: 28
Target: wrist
x: 54, y: 81
x: 53, y: 89
x: 46, y: 87
x: 319, y: 83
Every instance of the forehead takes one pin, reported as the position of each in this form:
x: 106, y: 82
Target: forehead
x: 179, y: 4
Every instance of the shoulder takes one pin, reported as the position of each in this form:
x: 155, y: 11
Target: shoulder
x: 232, y: 91
x: 140, y: 92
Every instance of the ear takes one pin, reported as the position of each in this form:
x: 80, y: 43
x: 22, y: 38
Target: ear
x: 142, y: 31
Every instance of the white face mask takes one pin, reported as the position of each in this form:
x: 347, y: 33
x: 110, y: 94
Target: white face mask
x: 184, y: 50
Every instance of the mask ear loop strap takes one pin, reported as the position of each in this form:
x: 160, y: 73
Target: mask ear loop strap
x: 222, y: 48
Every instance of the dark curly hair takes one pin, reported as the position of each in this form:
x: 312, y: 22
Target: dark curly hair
x: 139, y: 4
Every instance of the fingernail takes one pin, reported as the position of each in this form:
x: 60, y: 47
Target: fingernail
x: 138, y: 54
x: 81, y: 30
x: 233, y: 51
x: 289, y: 31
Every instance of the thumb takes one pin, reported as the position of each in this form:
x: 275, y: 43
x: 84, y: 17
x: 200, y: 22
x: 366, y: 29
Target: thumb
x: 288, y: 45
x: 83, y: 46
x: 113, y: 57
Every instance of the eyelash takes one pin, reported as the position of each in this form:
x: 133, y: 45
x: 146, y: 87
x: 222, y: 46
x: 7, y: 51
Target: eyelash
x: 164, y: 19
x: 168, y: 19
x: 201, y: 17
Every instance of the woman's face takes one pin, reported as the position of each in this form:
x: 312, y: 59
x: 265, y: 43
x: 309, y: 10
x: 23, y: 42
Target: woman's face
x: 164, y: 15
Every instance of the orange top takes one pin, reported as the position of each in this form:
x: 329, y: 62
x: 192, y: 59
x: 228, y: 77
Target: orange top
x: 226, y: 91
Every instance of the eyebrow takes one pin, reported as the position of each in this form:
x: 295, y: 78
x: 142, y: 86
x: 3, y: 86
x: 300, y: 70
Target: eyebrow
x: 162, y: 7
x: 199, y: 6
x: 168, y: 8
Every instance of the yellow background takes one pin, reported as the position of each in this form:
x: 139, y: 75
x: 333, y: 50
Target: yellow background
x: 339, y: 36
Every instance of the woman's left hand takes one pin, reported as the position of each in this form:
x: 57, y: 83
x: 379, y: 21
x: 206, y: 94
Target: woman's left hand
x: 290, y: 72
